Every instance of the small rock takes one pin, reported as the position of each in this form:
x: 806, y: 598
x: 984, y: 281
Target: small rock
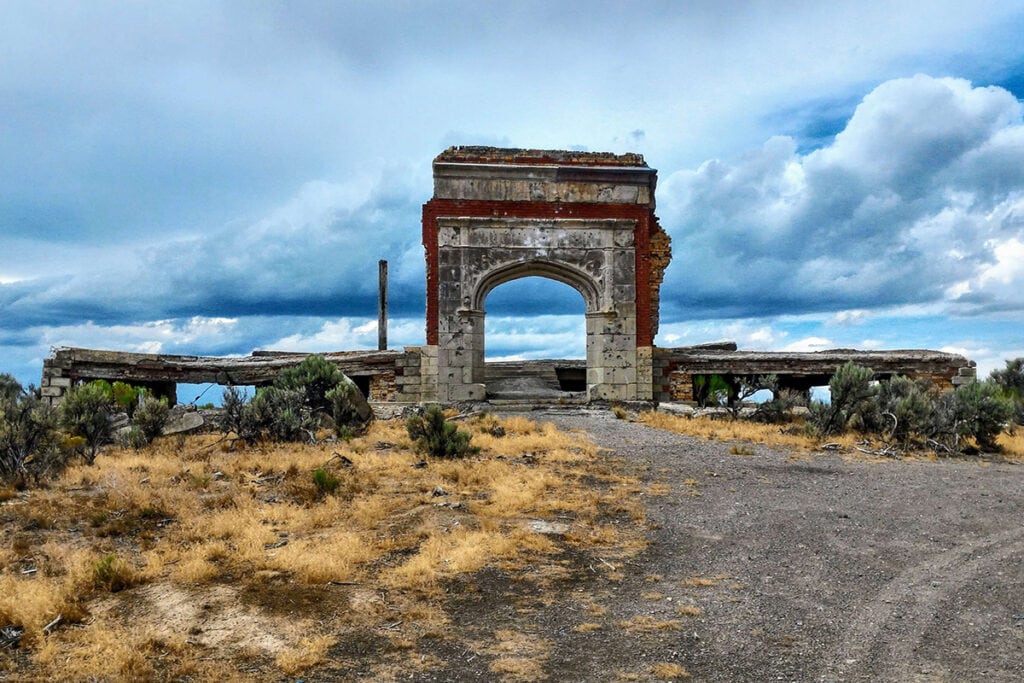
x: 542, y: 526
x: 438, y: 491
x: 183, y: 423
x: 683, y: 409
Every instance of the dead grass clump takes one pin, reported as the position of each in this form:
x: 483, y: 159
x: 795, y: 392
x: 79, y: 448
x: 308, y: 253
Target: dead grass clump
x: 517, y: 656
x: 323, y: 558
x: 700, y: 582
x: 306, y: 654
x: 588, y: 627
x: 669, y: 671
x: 112, y: 574
x: 645, y: 623
x: 1012, y: 443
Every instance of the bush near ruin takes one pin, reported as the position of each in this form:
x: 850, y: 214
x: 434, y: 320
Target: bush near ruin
x: 304, y: 399
x: 37, y: 441
x: 437, y: 436
x: 904, y: 412
x: 29, y: 443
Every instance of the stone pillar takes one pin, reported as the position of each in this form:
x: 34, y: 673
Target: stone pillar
x: 460, y: 362
x: 611, y: 357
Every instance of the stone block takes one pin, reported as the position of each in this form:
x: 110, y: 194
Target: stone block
x: 52, y: 392
x: 467, y: 392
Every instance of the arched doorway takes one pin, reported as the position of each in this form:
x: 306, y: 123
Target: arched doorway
x: 535, y: 341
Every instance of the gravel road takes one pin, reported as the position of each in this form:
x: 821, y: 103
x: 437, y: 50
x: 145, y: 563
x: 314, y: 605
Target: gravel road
x: 829, y: 568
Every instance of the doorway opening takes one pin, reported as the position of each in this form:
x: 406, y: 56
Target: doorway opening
x: 535, y: 340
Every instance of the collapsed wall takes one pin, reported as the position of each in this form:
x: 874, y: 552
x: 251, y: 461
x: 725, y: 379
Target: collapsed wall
x: 382, y: 376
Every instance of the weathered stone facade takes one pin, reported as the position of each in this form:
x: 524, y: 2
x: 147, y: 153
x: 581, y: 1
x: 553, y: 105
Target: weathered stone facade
x: 584, y: 219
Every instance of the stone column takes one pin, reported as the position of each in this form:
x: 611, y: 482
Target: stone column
x: 460, y: 361
x: 611, y: 356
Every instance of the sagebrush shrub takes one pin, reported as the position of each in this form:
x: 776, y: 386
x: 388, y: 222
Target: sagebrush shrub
x: 29, y: 443
x: 349, y: 410
x: 779, y: 409
x: 981, y: 412
x: 315, y: 377
x: 436, y: 435
x: 282, y: 414
x: 150, y: 417
x: 852, y: 405
x: 302, y: 399
x: 86, y: 411
x: 904, y: 407
x: 1011, y: 382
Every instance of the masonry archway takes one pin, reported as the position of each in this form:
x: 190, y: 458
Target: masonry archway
x: 584, y: 219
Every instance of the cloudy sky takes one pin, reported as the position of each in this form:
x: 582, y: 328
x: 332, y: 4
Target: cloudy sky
x: 215, y: 177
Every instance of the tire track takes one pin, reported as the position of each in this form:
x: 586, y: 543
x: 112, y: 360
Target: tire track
x: 872, y: 645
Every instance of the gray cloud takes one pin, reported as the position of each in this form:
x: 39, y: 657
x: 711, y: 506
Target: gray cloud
x: 915, y: 195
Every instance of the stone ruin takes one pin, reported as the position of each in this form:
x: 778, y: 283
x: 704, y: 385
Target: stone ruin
x: 582, y: 218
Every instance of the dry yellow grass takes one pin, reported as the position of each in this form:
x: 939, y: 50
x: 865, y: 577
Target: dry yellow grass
x: 669, y: 671
x: 239, y: 541
x: 587, y: 627
x: 1012, y: 443
x: 700, y: 582
x: 738, y: 430
x: 644, y: 623
x: 790, y: 437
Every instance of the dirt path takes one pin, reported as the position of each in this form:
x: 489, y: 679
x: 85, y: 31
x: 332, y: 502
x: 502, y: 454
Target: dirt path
x: 818, y: 568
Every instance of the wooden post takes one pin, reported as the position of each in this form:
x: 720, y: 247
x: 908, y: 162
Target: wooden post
x: 382, y: 306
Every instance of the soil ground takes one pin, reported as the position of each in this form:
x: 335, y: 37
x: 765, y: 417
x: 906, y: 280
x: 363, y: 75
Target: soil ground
x: 772, y: 566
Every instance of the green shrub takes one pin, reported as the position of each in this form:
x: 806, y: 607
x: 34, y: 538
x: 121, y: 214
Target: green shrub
x: 852, y: 404
x: 325, y: 482
x: 1011, y: 382
x: 29, y: 443
x: 125, y: 396
x: 314, y: 377
x: 150, y: 417
x: 711, y: 390
x: 905, y: 407
x: 86, y: 411
x: 981, y: 412
x: 436, y: 435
